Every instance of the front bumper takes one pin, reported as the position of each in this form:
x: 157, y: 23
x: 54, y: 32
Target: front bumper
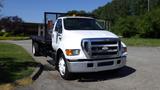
x: 96, y: 65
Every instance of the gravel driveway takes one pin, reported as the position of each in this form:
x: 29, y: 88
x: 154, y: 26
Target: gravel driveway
x: 141, y: 73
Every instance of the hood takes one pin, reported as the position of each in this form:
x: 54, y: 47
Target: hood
x: 90, y: 34
x: 76, y: 37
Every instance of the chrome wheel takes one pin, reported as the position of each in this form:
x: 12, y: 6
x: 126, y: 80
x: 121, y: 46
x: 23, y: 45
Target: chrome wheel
x: 62, y: 66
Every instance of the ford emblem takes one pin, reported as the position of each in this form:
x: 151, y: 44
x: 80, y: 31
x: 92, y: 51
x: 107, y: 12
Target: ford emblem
x: 105, y: 48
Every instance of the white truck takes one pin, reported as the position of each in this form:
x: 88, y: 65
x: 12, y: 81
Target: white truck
x: 79, y: 44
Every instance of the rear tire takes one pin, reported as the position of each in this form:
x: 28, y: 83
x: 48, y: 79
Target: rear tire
x: 35, y: 49
x: 63, y: 69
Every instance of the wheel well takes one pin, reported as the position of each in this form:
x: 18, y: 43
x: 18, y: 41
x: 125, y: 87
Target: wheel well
x: 59, y: 52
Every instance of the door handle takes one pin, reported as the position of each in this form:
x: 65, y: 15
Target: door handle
x: 58, y: 34
x: 60, y: 38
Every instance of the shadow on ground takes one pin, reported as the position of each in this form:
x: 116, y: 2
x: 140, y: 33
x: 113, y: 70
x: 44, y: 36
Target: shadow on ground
x: 11, y: 70
x: 91, y: 77
x: 46, y: 67
x: 105, y: 75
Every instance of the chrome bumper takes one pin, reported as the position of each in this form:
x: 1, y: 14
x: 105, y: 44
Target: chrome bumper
x: 96, y: 65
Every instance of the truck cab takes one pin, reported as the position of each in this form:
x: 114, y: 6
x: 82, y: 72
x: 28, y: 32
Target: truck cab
x: 81, y: 44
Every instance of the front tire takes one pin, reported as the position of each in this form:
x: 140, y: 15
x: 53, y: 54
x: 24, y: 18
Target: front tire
x: 63, y: 69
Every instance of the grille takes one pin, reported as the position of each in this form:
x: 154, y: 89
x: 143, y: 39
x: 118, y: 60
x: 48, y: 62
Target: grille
x: 101, y: 48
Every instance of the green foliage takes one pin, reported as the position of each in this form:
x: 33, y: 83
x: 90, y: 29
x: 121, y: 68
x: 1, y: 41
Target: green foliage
x: 144, y: 26
x: 141, y: 42
x: 1, y: 33
x: 6, y: 34
x: 123, y: 8
x: 14, y: 38
x: 126, y: 27
x: 149, y: 24
x: 12, y: 24
x: 130, y: 18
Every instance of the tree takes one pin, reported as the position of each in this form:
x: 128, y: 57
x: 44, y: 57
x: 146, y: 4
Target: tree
x: 149, y: 24
x: 122, y: 8
x: 130, y: 18
x: 126, y: 27
x: 11, y: 24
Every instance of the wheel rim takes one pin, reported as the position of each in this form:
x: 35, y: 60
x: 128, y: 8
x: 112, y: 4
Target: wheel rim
x: 33, y: 49
x: 62, y: 66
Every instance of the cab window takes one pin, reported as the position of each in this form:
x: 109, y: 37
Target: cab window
x: 58, y: 27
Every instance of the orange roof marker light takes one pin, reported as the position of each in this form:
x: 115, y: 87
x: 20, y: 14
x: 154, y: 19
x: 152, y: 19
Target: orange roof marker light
x: 74, y: 15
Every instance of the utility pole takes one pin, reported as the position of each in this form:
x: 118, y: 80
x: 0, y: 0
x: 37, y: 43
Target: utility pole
x: 148, y: 5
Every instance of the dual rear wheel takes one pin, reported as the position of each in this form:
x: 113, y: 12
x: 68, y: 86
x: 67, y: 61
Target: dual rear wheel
x: 35, y: 49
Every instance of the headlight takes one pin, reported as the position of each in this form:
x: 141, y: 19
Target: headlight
x: 124, y: 49
x: 72, y: 52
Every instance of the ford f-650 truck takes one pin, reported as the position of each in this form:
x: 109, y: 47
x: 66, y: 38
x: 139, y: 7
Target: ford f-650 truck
x: 78, y: 44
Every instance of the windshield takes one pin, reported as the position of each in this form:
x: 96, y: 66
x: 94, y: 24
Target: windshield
x: 81, y: 24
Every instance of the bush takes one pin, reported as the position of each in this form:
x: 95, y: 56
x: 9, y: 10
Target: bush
x: 126, y: 27
x: 145, y: 26
x: 1, y: 33
x: 149, y: 25
x: 6, y: 34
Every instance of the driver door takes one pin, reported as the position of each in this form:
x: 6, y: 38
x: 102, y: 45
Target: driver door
x: 57, y: 34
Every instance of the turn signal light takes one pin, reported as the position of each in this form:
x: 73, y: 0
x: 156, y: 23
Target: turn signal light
x: 72, y: 52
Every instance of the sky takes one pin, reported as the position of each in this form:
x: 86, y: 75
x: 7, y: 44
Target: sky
x: 32, y: 10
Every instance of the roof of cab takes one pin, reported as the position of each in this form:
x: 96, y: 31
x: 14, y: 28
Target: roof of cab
x: 75, y: 17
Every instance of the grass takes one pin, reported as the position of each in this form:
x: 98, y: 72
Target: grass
x: 15, y: 63
x: 141, y: 42
x: 11, y: 86
x: 14, y: 38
